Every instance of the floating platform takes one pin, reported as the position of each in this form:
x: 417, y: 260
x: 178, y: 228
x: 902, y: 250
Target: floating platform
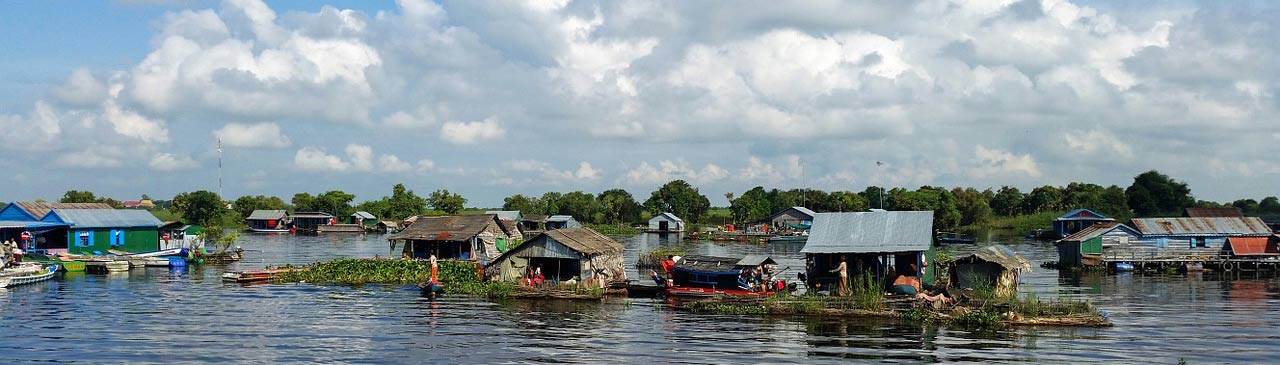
x: 340, y: 228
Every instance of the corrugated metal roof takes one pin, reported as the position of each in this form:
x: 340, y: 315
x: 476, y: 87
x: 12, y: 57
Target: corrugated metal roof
x: 1213, y: 212
x: 1082, y: 215
x: 1002, y: 255
x: 311, y: 215
x: 108, y: 218
x: 805, y: 210
x: 584, y: 240
x: 39, y: 209
x: 560, y: 218
x: 363, y: 215
x: 267, y: 215
x: 1098, y: 229
x: 668, y: 216
x: 1248, y: 226
x: 447, y: 228
x: 30, y: 224
x: 867, y: 232
x: 1253, y: 246
x: 756, y: 260
x: 708, y: 263
x: 506, y: 215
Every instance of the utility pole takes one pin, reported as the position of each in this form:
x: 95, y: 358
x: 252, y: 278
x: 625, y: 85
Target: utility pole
x: 220, y: 168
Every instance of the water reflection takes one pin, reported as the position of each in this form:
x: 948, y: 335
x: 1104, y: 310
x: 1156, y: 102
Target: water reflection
x: 148, y: 315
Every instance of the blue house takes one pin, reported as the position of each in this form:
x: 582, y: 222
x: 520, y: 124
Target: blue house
x: 1076, y: 221
x: 1208, y: 234
x: 40, y: 236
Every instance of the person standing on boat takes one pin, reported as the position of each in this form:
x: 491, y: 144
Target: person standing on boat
x: 843, y: 269
x: 435, y: 268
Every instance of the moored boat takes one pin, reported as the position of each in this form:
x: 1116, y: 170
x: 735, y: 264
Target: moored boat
x: 177, y: 251
x: 711, y: 276
x: 956, y: 241
x: 250, y: 276
x: 12, y: 278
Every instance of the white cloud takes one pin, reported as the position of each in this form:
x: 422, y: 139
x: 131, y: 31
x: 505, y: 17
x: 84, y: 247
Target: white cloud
x: 310, y: 158
x: 425, y: 165
x: 263, y: 135
x: 81, y: 89
x: 547, y: 173
x: 405, y: 120
x: 392, y: 163
x: 996, y: 163
x: 36, y: 132
x: 360, y: 156
x: 88, y: 159
x: 134, y: 125
x: 171, y: 162
x: 471, y: 132
x: 586, y: 172
x: 646, y: 174
x: 1098, y: 143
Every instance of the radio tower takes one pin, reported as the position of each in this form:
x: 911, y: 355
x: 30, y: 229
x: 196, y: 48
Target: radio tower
x: 219, y: 167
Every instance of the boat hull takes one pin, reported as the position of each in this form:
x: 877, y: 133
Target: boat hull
x: 12, y: 281
x: 696, y: 292
x: 268, y: 230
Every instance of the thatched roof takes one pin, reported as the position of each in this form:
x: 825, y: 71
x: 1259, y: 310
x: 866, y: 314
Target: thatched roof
x: 39, y: 209
x: 1001, y: 255
x: 448, y: 228
x: 584, y: 240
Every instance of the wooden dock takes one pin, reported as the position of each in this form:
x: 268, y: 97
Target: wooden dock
x: 340, y: 228
x: 1165, y: 260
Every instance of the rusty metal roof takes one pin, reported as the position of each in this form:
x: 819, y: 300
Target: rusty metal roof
x: 1253, y: 246
x: 1214, y: 212
x: 39, y: 209
x: 1211, y: 226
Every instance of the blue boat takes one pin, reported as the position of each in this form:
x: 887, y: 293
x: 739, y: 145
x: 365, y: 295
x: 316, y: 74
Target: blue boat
x: 956, y: 241
x: 431, y: 288
x: 1124, y: 266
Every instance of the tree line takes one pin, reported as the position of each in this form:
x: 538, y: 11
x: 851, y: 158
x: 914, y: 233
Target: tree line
x: 1151, y: 194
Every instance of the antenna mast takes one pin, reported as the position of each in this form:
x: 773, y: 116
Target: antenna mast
x: 220, y: 168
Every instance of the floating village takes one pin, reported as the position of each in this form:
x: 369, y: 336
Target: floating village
x: 874, y: 263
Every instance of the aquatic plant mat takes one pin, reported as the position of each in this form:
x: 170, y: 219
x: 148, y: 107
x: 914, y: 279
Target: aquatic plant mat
x: 459, y: 277
x: 980, y: 314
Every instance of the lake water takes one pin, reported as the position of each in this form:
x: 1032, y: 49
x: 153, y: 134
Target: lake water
x: 189, y: 316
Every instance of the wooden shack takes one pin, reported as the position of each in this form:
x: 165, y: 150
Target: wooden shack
x: 580, y: 254
x: 871, y: 242
x: 997, y: 267
x: 1076, y: 221
x: 462, y: 237
x: 1084, y: 248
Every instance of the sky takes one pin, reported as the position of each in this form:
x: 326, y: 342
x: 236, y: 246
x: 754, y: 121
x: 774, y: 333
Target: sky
x: 495, y: 98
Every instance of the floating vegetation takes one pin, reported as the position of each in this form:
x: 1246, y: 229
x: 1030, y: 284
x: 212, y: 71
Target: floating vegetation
x: 654, y: 257
x: 459, y: 277
x: 615, y: 229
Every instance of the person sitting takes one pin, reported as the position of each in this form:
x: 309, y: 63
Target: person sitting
x: 910, y: 285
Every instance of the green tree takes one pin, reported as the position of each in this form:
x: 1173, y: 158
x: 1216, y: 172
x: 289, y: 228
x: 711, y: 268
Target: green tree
x: 1269, y: 206
x: 1155, y: 194
x: 550, y: 202
x: 403, y: 203
x: 245, y: 205
x: 198, y: 207
x: 752, y: 205
x: 377, y: 207
x: 679, y: 198
x: 1007, y: 202
x: 445, y: 201
x: 844, y: 201
x: 1046, y: 198
x: 335, y: 202
x: 76, y: 196
x: 524, y: 204
x: 876, y: 196
x: 972, y: 205
x: 618, y: 206
x: 939, y: 200
x: 1247, y: 206
x: 304, y: 202
x: 580, y: 205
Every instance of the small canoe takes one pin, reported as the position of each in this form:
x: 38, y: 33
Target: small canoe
x: 179, y: 251
x: 956, y: 241
x: 269, y: 230
x: 431, y: 289
x: 696, y: 292
x: 788, y: 239
x: 30, y: 278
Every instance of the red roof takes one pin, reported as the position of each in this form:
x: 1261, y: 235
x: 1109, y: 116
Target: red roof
x: 1253, y: 246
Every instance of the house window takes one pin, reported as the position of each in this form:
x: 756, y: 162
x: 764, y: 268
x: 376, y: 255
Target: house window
x: 83, y: 240
x: 1202, y: 242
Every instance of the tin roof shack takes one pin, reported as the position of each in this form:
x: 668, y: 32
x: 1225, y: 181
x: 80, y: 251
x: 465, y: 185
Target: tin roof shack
x: 387, y: 227
x: 872, y: 242
x: 311, y: 221
x: 177, y: 234
x: 463, y: 237
x: 267, y: 220
x: 45, y: 237
x: 506, y: 215
x: 364, y: 219
x: 94, y: 231
x: 715, y: 271
x: 1213, y: 212
x: 790, y: 219
x: 563, y: 254
x: 1252, y: 247
x: 1084, y: 248
x: 1076, y: 221
x: 666, y: 222
x: 562, y: 221
x: 996, y: 267
x: 1200, y: 235
x: 40, y: 209
x: 533, y: 224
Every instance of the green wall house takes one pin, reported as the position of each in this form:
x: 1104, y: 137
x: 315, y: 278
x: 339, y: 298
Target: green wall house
x: 99, y: 230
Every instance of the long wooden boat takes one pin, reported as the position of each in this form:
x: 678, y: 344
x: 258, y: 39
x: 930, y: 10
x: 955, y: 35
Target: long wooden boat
x: 956, y: 241
x: 789, y: 239
x: 69, y: 265
x: 177, y: 251
x: 30, y: 278
x: 697, y: 292
x: 269, y: 230
x: 251, y: 276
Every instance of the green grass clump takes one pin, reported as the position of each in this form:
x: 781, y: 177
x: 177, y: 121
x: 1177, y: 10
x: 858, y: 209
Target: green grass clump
x: 614, y: 229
